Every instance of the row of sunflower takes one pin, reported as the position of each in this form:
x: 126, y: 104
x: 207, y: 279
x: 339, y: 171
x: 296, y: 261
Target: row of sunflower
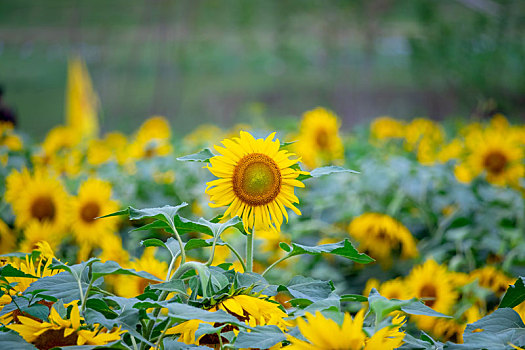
x: 436, y: 216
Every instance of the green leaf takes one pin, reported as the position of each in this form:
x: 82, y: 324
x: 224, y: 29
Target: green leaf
x: 326, y: 170
x: 382, y: 306
x: 263, y: 336
x: 495, y: 331
x: 172, y: 344
x: 171, y: 286
x: 343, y: 248
x: 514, y: 295
x: 61, y: 286
x: 354, y: 297
x: 187, y: 312
x: 165, y: 213
x: 37, y: 310
x: 113, y: 268
x: 171, y: 244
x: 301, y: 287
x: 11, y: 340
x: 101, y: 306
x: 202, y: 156
x: 10, y: 271
x: 207, y: 227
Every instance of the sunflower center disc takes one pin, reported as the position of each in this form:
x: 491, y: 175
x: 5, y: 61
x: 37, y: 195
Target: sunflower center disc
x: 89, y: 212
x: 256, y: 179
x: 43, y: 208
x: 322, y: 139
x: 495, y: 162
x: 429, y: 291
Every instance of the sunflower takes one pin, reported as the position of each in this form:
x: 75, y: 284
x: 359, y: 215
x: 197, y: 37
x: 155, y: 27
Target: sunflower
x: 7, y: 238
x: 38, y: 267
x: 252, y: 310
x: 39, y: 197
x: 495, y: 153
x: 381, y: 235
x: 152, y: 139
x: 37, y: 232
x: 60, y: 332
x: 433, y: 284
x: 256, y: 180
x: 130, y: 286
x: 324, y: 333
x: 93, y: 200
x: 319, y: 142
x: 203, y: 136
x: 112, y: 148
x: 383, y: 128
x: 491, y: 278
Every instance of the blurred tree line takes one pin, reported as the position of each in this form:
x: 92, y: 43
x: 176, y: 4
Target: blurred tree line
x: 224, y: 62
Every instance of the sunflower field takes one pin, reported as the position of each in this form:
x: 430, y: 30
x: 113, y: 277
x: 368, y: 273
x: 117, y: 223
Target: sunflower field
x: 400, y: 233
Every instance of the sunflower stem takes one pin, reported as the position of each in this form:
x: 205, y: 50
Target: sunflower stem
x: 236, y: 253
x: 181, y: 244
x: 134, y: 342
x: 163, y: 334
x: 275, y: 263
x: 249, y: 251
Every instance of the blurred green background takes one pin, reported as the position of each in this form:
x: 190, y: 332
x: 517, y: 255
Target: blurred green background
x: 224, y: 62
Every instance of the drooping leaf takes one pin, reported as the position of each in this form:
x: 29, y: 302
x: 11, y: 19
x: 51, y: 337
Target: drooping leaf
x: 343, y: 248
x: 37, y: 310
x: 171, y: 286
x: 171, y: 244
x: 113, y: 268
x: 165, y: 213
x: 263, y: 336
x: 326, y: 170
x: 514, y: 295
x: 202, y: 156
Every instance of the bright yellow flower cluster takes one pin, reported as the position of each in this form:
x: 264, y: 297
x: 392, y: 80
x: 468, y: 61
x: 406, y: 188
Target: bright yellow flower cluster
x: 439, y: 289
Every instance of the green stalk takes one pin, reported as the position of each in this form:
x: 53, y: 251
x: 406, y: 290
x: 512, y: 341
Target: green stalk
x: 236, y: 253
x: 249, y: 251
x: 275, y: 263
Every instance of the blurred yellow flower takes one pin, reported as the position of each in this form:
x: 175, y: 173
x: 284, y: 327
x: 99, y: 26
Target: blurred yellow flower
x: 152, y: 139
x: 432, y: 283
x: 491, y: 278
x: 131, y: 286
x: 318, y: 142
x: 383, y: 128
x: 381, y: 235
x: 93, y: 200
x: 39, y: 197
x: 7, y: 238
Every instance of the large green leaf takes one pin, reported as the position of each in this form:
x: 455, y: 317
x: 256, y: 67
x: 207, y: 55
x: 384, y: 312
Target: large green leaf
x: 207, y: 227
x: 202, y: 156
x: 515, y: 294
x: 171, y: 244
x: 343, y: 248
x: 172, y: 286
x: 494, y: 332
x: 11, y: 340
x: 382, y: 306
x: 301, y: 287
x: 263, y: 337
x: 127, y: 319
x: 113, y: 268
